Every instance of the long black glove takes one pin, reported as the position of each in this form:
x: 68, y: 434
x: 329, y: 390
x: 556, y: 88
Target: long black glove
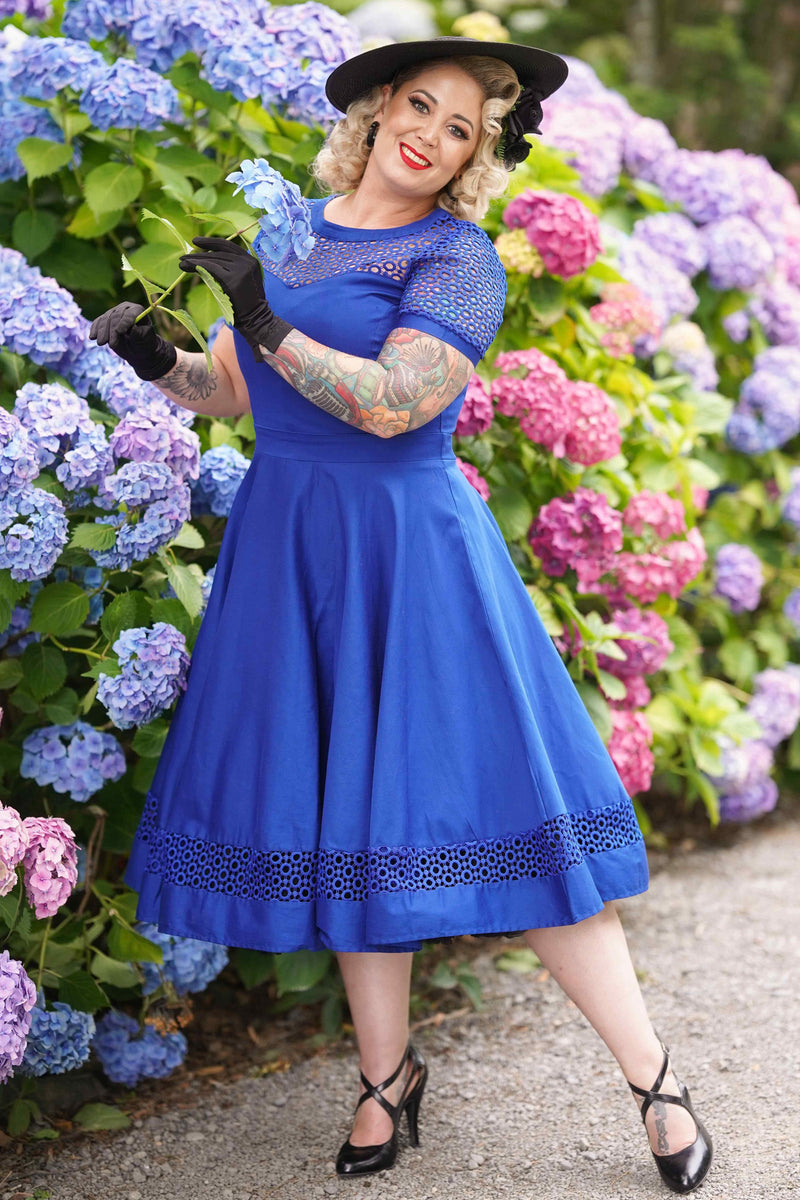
x: 239, y: 274
x: 139, y: 344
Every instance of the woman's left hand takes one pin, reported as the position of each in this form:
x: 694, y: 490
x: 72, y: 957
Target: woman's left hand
x: 239, y: 275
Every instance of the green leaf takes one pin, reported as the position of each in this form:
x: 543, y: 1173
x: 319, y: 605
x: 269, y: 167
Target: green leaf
x: 45, y: 669
x: 41, y: 157
x: 33, y: 231
x: 170, y: 609
x: 221, y: 297
x: 614, y: 688
x: 297, y: 971
x: 64, y: 708
x: 77, y: 266
x: 185, y: 584
x: 522, y: 961
x: 253, y: 966
x: 188, y: 536
x: 148, y: 741
x: 93, y: 537
x: 663, y: 716
x: 80, y: 991
x: 102, y: 666
x: 59, y: 608
x: 10, y: 673
x: 113, y: 185
x: 86, y: 225
x: 202, y: 305
x: 157, y: 261
x: 188, y: 322
x: 13, y: 590
x: 174, y: 182
x: 190, y: 162
x: 596, y: 706
x: 512, y: 512
x: 110, y: 970
x: 127, y: 611
x: 129, y: 946
x: 101, y: 1116
x: 20, y: 1115
x: 443, y: 976
x: 186, y: 247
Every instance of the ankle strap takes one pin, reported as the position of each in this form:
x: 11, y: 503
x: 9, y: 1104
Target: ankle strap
x: 374, y: 1091
x: 653, y: 1093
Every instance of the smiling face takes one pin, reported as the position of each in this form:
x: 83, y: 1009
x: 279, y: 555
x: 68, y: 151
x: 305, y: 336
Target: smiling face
x: 437, y: 117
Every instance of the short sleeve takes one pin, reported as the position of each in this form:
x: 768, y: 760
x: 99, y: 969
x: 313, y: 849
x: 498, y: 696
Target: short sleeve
x: 456, y: 290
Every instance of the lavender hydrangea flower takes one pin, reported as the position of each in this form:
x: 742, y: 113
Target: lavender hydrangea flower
x: 285, y: 227
x: 774, y: 399
x: 88, y: 462
x: 591, y: 137
x: 753, y: 802
x: 30, y: 550
x: 38, y: 318
x: 312, y: 31
x: 791, y: 607
x: 189, y: 964
x: 775, y: 303
x: 74, y: 759
x: 146, y: 436
x: 775, y: 702
x: 168, y: 504
x: 129, y: 1055
x: 790, y: 502
x: 646, y: 143
x: 54, y: 417
x: 44, y: 66
x: 154, y: 665
x: 686, y: 342
x: 667, y: 288
x: 738, y: 253
x: 37, y: 10
x: 676, y: 238
x: 126, y: 95
x: 737, y: 325
x: 222, y: 469
x: 738, y: 577
x: 17, y: 999
x: 703, y: 184
x: 19, y: 459
x: 122, y: 391
x: 781, y: 360
x: 59, y: 1039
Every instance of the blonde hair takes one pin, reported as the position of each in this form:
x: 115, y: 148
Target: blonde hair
x: 340, y: 163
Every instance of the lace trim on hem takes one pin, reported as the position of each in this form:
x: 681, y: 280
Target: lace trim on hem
x: 552, y: 848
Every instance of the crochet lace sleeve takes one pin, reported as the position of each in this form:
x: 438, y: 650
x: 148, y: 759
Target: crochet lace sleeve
x: 456, y: 291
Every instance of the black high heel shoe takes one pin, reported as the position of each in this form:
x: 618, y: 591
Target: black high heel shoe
x: 361, y: 1160
x: 685, y: 1169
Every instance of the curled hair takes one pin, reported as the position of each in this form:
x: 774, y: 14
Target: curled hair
x: 340, y: 163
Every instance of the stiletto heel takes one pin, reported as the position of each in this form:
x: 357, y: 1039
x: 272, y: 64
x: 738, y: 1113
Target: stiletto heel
x: 362, y: 1160
x: 685, y: 1169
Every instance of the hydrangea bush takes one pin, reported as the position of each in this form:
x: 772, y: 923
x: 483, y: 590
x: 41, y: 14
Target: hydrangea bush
x: 632, y: 430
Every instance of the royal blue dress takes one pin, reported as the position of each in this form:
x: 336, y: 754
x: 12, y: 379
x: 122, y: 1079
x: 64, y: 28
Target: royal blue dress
x: 379, y: 743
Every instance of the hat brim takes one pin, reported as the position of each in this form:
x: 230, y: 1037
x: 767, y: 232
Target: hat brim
x: 534, y: 67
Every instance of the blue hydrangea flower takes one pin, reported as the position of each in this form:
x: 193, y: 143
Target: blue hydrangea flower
x: 206, y: 586
x: 43, y: 66
x: 738, y: 577
x: 781, y: 360
x: 37, y: 10
x: 140, y: 483
x: 59, y: 1039
x: 222, y: 469
x: 189, y: 964
x: 88, y: 462
x: 85, y: 368
x: 306, y: 100
x: 19, y: 459
x: 38, y: 318
x: 157, y: 34
x: 738, y: 253
x: 250, y: 68
x: 167, y: 501
x: 74, y: 759
x: 14, y: 638
x: 772, y: 402
x: 30, y: 550
x: 128, y: 1054
x: 20, y: 120
x: 94, y: 20
x: 211, y: 336
x: 122, y: 391
x: 54, y: 417
x: 126, y: 95
x: 155, y: 666
x: 285, y: 227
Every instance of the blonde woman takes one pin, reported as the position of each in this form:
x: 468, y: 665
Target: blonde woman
x: 379, y: 744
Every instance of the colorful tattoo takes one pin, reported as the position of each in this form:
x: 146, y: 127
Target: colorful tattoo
x: 415, y: 377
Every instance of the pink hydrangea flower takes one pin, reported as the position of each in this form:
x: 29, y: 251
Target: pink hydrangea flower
x: 593, y: 434
x: 475, y: 478
x: 637, y: 694
x: 699, y: 497
x: 559, y: 226
x: 581, y: 531
x: 50, y: 863
x: 626, y: 314
x: 629, y: 747
x: 665, y: 515
x: 14, y: 839
x: 644, y: 654
x: 687, y: 557
x: 476, y: 411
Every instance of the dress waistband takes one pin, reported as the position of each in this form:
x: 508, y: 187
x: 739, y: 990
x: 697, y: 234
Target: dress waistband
x: 356, y: 445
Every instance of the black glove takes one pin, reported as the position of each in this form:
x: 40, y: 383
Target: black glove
x: 239, y: 274
x: 139, y: 344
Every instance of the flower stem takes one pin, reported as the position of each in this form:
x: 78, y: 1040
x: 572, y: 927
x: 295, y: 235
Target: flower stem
x: 42, y: 953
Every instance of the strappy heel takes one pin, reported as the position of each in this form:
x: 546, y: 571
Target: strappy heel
x: 685, y: 1169
x: 361, y: 1160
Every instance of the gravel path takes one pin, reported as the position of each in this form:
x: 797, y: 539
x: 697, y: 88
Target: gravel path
x: 523, y: 1099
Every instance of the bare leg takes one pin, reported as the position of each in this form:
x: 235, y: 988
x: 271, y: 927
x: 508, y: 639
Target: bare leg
x: 377, y: 987
x: 591, y: 962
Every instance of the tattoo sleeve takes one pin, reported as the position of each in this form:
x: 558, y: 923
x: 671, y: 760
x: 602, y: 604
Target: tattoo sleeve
x: 193, y: 386
x: 413, y: 379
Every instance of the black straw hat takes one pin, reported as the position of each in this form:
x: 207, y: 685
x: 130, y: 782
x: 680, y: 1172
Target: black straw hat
x: 539, y: 72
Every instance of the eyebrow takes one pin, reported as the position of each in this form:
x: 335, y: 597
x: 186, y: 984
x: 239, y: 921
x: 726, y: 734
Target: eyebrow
x: 435, y: 101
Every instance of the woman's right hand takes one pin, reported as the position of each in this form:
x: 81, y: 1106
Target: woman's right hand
x: 138, y: 343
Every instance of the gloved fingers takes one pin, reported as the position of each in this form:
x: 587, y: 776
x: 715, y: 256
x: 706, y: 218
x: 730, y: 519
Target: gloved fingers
x: 220, y: 243
x: 211, y: 262
x: 98, y: 330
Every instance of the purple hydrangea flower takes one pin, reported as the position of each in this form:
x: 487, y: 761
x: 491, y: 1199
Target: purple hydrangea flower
x: 37, y: 10
x: 646, y: 142
x: 29, y: 550
x: 19, y: 459
x: 74, y: 759
x: 674, y: 237
x: 790, y: 504
x: 592, y: 137
x: 88, y: 462
x: 17, y: 999
x: 154, y: 670
x: 126, y: 95
x: 737, y: 325
x: 752, y: 802
x: 775, y: 400
x: 59, y: 1039
x: 222, y: 469
x: 128, y: 1054
x: 667, y: 288
x: 157, y: 524
x: 775, y: 703
x: 43, y: 66
x: 738, y: 576
x: 705, y: 185
x: 189, y: 964
x: 791, y: 607
x: 54, y: 417
x: 285, y: 227
x: 145, y: 436
x: 775, y: 303
x: 122, y: 391
x: 738, y: 253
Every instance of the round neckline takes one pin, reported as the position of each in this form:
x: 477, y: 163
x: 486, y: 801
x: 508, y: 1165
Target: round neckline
x: 321, y: 224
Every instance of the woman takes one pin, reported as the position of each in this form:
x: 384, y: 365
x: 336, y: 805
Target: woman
x: 379, y: 743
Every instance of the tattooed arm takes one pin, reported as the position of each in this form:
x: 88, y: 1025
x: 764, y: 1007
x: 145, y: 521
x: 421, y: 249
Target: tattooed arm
x: 221, y: 392
x: 413, y: 379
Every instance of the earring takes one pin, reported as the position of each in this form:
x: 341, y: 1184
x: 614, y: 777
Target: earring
x: 373, y: 129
